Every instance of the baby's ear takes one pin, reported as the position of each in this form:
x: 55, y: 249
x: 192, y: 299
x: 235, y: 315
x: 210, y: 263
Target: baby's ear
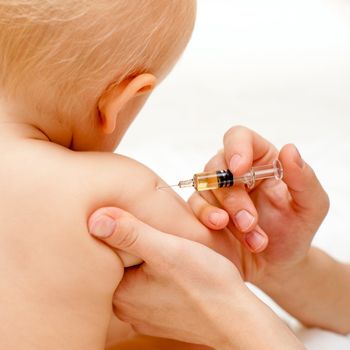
x: 116, y: 97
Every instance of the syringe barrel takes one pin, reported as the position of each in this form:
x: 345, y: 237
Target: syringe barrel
x: 212, y: 180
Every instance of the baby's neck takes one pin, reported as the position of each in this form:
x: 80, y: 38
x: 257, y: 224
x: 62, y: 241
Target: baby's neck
x: 13, y: 123
x: 15, y: 130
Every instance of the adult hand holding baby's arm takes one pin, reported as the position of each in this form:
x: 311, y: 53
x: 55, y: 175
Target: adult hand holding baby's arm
x: 186, y: 291
x: 289, y: 213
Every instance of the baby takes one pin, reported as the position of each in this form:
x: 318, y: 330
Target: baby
x: 73, y: 76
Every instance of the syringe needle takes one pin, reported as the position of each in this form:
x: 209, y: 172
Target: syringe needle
x: 169, y: 186
x: 181, y: 184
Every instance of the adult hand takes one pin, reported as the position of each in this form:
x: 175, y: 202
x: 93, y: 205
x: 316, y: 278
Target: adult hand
x: 180, y: 290
x: 186, y: 291
x: 286, y: 213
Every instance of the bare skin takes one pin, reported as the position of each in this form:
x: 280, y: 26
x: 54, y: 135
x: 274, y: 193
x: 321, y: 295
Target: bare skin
x: 152, y: 343
x: 51, y: 275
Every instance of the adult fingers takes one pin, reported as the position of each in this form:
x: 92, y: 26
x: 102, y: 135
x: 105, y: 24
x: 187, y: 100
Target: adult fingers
x: 305, y: 189
x: 123, y: 231
x: 235, y: 200
x: 243, y: 146
x: 255, y: 241
x: 211, y: 216
x: 241, y: 209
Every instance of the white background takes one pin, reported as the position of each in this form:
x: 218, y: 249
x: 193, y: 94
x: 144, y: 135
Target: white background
x: 279, y: 67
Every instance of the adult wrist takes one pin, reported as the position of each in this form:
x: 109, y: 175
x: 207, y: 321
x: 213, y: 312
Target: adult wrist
x: 224, y: 314
x: 236, y: 319
x: 256, y: 327
x: 278, y: 277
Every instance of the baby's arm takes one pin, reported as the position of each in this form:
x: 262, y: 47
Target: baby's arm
x: 118, y: 181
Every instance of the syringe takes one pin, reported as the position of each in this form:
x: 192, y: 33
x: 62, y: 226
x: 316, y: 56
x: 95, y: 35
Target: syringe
x: 213, y: 180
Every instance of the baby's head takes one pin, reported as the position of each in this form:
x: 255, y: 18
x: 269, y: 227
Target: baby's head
x: 80, y: 70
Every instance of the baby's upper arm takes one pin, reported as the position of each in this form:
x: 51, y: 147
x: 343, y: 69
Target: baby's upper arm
x: 114, y: 180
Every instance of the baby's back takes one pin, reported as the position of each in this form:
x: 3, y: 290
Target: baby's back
x: 53, y: 274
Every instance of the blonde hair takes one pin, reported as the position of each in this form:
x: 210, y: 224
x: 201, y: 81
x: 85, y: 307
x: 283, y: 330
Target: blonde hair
x: 74, y: 47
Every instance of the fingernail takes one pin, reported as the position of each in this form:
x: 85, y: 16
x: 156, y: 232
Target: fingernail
x: 215, y: 218
x: 244, y: 220
x: 255, y: 240
x: 297, y: 159
x: 103, y: 226
x: 234, y: 162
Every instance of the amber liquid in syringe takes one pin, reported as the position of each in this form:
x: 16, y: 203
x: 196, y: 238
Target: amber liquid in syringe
x: 213, y: 180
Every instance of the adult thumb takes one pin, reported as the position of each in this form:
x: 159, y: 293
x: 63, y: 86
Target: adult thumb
x: 306, y: 191
x: 121, y: 230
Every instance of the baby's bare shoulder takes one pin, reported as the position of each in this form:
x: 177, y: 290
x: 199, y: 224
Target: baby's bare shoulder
x: 46, y: 169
